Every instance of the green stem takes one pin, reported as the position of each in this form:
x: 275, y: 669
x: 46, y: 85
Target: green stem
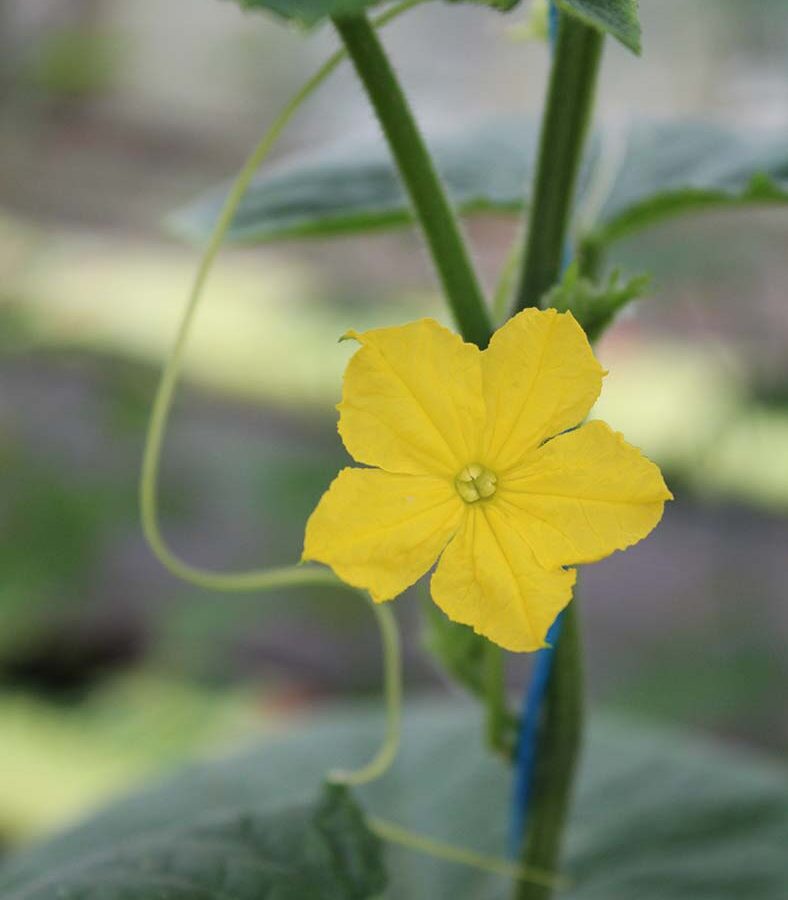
x: 559, y: 746
x: 426, y: 191
x: 564, y: 125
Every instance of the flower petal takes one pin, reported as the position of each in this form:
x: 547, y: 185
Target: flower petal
x: 540, y: 378
x: 412, y: 400
x: 380, y: 531
x: 488, y: 578
x: 583, y: 495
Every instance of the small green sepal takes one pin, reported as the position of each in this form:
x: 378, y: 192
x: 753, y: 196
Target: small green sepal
x: 594, y: 305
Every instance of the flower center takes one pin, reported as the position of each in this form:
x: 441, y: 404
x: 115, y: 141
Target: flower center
x: 475, y: 483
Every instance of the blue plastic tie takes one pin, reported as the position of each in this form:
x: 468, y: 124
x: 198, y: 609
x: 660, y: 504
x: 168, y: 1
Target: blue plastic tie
x: 552, y: 24
x: 531, y: 718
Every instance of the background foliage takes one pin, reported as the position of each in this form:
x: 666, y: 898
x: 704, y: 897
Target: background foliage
x: 625, y: 839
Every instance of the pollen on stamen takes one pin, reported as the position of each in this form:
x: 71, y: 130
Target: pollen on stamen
x: 475, y: 482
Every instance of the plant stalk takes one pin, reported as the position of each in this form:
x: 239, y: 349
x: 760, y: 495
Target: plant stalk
x: 565, y: 123
x: 427, y: 193
x: 560, y: 738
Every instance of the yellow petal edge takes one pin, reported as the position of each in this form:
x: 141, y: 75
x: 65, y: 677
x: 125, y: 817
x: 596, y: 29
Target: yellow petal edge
x: 487, y: 578
x: 584, y: 495
x: 379, y: 531
x: 412, y: 400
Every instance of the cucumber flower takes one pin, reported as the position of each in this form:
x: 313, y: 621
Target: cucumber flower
x: 474, y: 466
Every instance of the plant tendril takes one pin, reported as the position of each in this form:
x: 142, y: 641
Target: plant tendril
x: 392, y: 689
x: 284, y: 576
x: 260, y: 579
x: 295, y: 575
x: 396, y: 834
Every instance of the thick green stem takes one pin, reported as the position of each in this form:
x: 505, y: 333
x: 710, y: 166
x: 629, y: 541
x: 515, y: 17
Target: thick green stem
x: 564, y: 125
x: 559, y: 746
x: 423, y: 184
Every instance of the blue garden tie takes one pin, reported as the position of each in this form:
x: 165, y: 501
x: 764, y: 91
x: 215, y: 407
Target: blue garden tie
x: 526, y: 751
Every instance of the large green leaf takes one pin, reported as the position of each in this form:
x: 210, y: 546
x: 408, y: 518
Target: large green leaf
x: 616, y: 17
x: 321, y: 850
x: 670, y: 168
x: 310, y: 12
x: 656, y: 170
x: 659, y: 816
x: 355, y: 187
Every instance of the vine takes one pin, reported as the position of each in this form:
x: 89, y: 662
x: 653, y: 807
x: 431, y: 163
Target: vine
x: 471, y: 313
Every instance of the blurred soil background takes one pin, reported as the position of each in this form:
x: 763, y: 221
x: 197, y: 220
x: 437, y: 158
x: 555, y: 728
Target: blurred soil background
x: 112, y: 115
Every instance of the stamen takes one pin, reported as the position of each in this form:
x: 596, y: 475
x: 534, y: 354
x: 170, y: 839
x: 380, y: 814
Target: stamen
x: 475, y: 482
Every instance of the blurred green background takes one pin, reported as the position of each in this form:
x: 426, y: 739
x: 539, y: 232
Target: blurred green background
x: 116, y: 113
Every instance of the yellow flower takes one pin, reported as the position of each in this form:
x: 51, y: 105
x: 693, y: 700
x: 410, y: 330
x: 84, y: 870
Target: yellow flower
x: 468, y: 471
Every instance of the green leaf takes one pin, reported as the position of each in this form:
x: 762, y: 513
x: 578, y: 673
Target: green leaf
x: 352, y: 188
x: 456, y: 647
x: 465, y: 657
x: 309, y: 12
x: 594, y: 305
x: 499, y: 5
x: 655, y: 171
x: 672, y: 168
x: 658, y: 815
x: 616, y: 17
x: 322, y: 850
